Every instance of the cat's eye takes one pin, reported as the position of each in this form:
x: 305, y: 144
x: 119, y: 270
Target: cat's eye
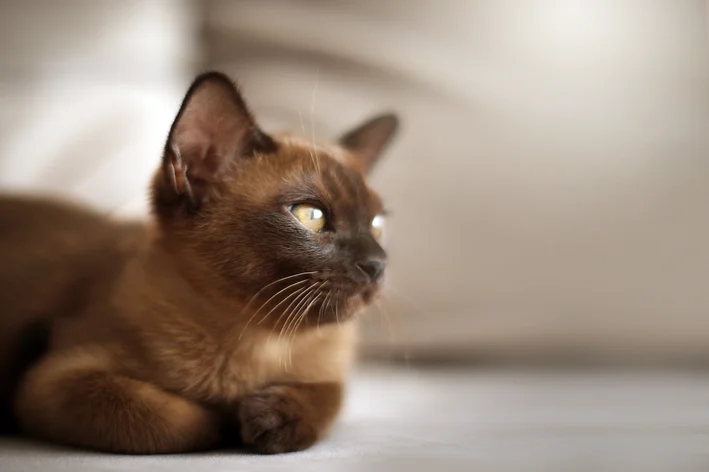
x: 309, y: 216
x: 378, y: 227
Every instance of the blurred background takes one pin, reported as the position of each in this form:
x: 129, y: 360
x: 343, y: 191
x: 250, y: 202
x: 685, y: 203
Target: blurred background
x: 549, y: 188
x: 550, y: 185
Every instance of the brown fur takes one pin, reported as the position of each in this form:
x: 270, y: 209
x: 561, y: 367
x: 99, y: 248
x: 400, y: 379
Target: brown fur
x: 163, y: 338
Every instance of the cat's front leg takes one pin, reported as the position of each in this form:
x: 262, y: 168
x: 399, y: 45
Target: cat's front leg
x: 289, y: 417
x: 80, y: 398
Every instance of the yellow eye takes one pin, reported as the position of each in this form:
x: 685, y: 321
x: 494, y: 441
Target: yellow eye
x: 378, y: 227
x: 309, y: 216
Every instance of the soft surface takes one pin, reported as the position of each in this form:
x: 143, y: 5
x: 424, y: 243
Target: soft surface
x: 472, y: 420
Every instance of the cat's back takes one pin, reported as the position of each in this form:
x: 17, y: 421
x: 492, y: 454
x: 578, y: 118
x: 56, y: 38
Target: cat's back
x: 26, y: 220
x: 55, y: 260
x: 53, y: 252
x: 54, y: 257
x: 44, y: 242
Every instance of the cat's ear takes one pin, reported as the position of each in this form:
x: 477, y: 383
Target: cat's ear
x: 213, y: 129
x: 368, y: 140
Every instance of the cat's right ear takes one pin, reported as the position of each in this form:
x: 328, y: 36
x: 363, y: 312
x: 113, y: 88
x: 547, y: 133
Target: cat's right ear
x: 367, y: 141
x: 213, y: 129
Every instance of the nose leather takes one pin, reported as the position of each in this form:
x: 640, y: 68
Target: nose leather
x: 372, y: 268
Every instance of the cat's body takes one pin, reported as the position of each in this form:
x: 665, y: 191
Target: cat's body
x: 97, y: 280
x: 159, y: 338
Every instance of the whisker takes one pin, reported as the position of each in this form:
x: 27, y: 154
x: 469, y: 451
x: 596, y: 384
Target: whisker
x: 292, y: 316
x: 329, y: 301
x: 322, y: 306
x: 337, y: 316
x: 323, y: 303
x: 273, y: 283
x: 285, y: 299
x: 311, y: 301
x: 312, y: 118
x: 296, y: 312
x: 302, y: 126
x: 267, y: 302
x: 297, y: 299
x: 310, y: 150
x: 301, y: 318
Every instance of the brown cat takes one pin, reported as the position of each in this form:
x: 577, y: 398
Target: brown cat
x: 233, y: 309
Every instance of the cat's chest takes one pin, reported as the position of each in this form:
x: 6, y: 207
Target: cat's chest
x: 212, y: 373
x: 257, y: 363
x: 207, y: 371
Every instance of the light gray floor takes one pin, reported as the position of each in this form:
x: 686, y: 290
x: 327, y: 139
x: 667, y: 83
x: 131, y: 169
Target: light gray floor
x: 473, y: 420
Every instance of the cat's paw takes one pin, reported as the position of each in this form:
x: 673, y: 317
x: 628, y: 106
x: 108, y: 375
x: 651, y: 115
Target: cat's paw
x: 274, y: 420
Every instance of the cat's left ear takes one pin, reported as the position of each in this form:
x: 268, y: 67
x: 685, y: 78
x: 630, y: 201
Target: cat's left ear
x: 213, y: 129
x: 368, y: 140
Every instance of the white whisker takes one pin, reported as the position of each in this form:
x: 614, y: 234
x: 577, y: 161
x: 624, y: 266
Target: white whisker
x: 266, y: 303
x: 312, y: 118
x: 301, y: 318
x: 296, y: 300
x: 310, y: 150
x: 296, y: 312
x: 322, y: 307
x: 285, y: 299
x: 318, y: 292
x: 337, y: 315
x: 293, y: 315
x: 273, y: 283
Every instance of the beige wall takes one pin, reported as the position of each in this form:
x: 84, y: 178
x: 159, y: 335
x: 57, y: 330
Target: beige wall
x: 87, y: 93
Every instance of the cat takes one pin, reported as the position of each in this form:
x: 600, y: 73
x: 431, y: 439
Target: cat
x: 229, y: 319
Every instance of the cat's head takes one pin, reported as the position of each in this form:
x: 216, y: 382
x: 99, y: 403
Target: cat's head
x: 286, y: 226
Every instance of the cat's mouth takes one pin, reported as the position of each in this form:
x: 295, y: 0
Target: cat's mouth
x: 343, y: 299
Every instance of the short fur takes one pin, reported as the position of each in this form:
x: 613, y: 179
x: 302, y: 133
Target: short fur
x: 224, y: 318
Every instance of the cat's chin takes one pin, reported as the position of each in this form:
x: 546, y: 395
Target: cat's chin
x: 343, y: 309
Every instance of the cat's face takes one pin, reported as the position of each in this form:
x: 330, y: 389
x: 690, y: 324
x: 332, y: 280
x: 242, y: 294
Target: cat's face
x: 285, y: 225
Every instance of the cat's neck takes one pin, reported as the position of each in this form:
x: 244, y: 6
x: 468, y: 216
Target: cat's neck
x: 159, y: 290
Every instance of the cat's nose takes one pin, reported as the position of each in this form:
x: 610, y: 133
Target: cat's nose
x: 373, y: 268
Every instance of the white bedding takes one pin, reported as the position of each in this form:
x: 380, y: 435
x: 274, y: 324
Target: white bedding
x: 410, y: 419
